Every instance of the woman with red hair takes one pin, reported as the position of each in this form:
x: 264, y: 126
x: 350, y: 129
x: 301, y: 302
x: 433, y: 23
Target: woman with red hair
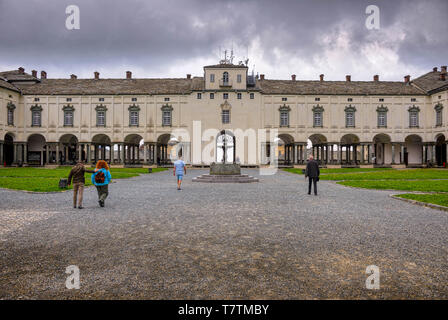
x: 101, y: 179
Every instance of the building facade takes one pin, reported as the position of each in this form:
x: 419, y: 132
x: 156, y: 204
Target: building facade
x: 226, y: 115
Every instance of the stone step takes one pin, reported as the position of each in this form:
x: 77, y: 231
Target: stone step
x: 244, y: 178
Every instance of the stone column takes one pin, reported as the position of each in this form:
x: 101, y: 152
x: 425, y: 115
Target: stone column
x: 57, y: 153
x: 433, y: 153
x: 88, y: 151
x: 362, y: 153
x: 393, y: 153
x: 80, y: 151
x: 1, y: 154
x: 42, y: 158
x: 425, y: 149
x: 339, y: 154
x: 112, y: 156
x: 25, y: 153
x: 402, y: 154
x: 47, y: 153
x: 123, y: 153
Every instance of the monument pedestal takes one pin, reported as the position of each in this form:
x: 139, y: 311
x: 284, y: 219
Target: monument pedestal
x: 225, y: 173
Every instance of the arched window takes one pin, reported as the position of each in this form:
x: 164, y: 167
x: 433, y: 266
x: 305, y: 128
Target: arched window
x: 413, y: 116
x: 317, y: 116
x: 382, y: 116
x: 350, y: 116
x: 438, y: 109
x: 167, y: 115
x: 134, y: 115
x: 68, y: 115
x: 225, y: 78
x: 101, y: 115
x: 10, y: 115
x: 284, y: 115
x: 36, y: 116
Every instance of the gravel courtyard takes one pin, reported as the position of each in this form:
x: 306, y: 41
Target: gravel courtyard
x: 266, y: 240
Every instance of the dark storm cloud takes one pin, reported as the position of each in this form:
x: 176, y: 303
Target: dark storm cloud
x: 157, y: 35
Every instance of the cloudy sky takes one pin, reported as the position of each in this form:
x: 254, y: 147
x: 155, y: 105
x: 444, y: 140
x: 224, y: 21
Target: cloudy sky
x: 170, y: 38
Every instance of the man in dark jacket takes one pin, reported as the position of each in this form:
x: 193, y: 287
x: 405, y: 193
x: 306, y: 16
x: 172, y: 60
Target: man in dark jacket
x: 77, y: 174
x: 312, y: 172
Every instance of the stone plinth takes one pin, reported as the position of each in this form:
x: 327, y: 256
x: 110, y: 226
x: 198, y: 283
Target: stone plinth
x: 221, y: 169
x: 225, y: 173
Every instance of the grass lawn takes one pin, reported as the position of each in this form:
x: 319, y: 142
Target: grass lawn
x: 339, y: 170
x: 424, y: 180
x: 414, y: 185
x: 438, y: 198
x: 46, y: 180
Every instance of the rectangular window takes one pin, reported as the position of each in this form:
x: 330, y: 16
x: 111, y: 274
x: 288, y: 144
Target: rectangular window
x: 212, y: 77
x: 36, y: 99
x: 252, y: 95
x: 10, y: 117
x: 438, y: 117
x: 68, y: 118
x: 199, y: 95
x: 350, y: 99
x: 316, y: 99
x: 382, y: 119
x: 349, y: 119
x: 101, y: 118
x: 225, y: 115
x: 284, y: 118
x: 166, y: 118
x: 413, y: 119
x: 69, y: 99
x: 212, y: 95
x: 101, y: 99
x: 225, y: 96
x: 36, y: 119
x: 167, y: 99
x: 239, y: 96
x: 413, y: 99
x: 284, y: 99
x: 238, y: 78
x: 133, y: 118
x: 318, y: 119
x: 134, y: 99
x: 381, y: 99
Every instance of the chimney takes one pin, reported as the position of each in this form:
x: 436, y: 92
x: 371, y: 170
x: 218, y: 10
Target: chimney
x: 321, y: 77
x: 376, y: 78
x: 43, y: 75
x: 261, y: 76
x: 97, y: 75
x: 73, y: 76
x: 434, y: 69
x: 348, y: 78
x: 128, y: 75
x: 34, y: 73
x: 188, y: 76
x: 21, y: 70
x: 407, y: 79
x: 293, y: 77
x: 443, y: 69
x: 443, y: 76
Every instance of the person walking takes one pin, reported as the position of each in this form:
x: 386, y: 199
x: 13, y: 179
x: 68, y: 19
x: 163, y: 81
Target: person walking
x: 179, y: 170
x: 312, y: 172
x: 101, y: 179
x: 77, y: 175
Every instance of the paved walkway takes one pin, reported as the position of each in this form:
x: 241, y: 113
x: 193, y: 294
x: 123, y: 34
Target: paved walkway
x: 266, y: 240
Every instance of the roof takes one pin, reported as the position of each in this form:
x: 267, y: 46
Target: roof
x: 226, y: 66
x: 337, y: 87
x: 430, y: 81
x: 108, y: 86
x: 16, y: 75
x: 6, y: 85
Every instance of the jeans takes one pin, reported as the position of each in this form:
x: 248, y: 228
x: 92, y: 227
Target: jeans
x: 78, y: 190
x: 103, y: 192
x: 314, y: 181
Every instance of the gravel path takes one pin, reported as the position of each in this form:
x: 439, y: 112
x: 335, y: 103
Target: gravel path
x: 266, y: 240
